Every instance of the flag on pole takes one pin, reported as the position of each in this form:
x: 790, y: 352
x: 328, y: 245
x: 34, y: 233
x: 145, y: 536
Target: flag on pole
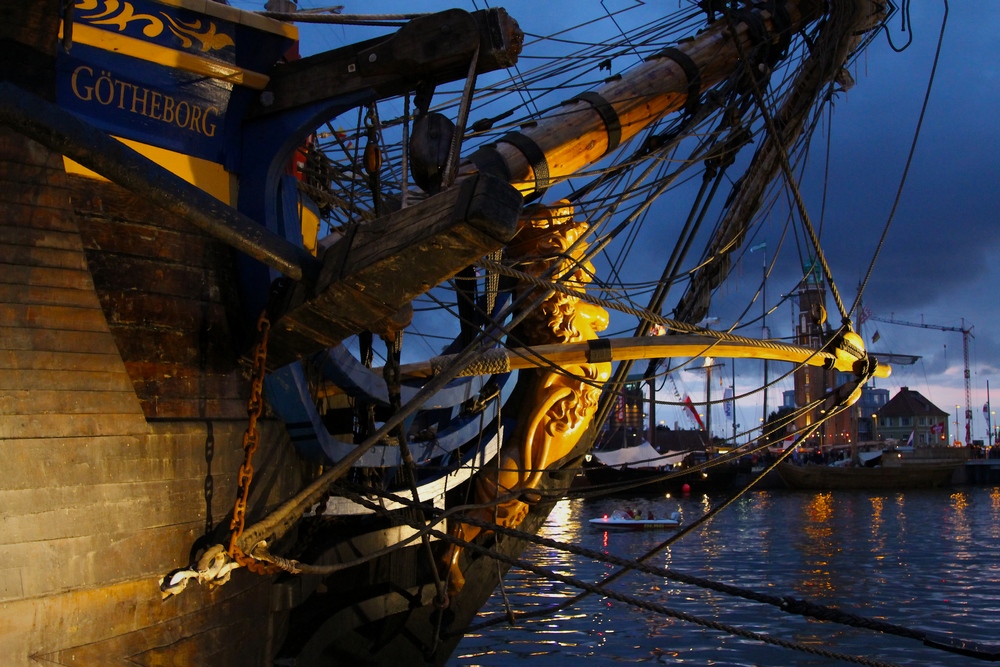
x: 909, y: 441
x: 727, y: 405
x: 689, y: 406
x: 864, y: 315
x: 876, y: 336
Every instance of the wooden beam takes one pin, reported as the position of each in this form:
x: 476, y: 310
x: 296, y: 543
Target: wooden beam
x: 659, y: 347
x: 436, y: 48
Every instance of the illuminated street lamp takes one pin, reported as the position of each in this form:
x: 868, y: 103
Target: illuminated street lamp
x: 955, y: 439
x: 875, y: 425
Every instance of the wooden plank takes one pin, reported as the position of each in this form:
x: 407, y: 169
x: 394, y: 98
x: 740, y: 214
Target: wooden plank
x: 120, y: 623
x: 47, y: 257
x: 153, y: 311
x: 72, y: 381
x: 63, y: 403
x: 23, y: 214
x: 47, y: 296
x: 194, y: 408
x: 84, y: 342
x: 80, y: 425
x: 62, y: 361
x: 81, y: 511
x: 52, y: 565
x: 103, y: 202
x: 168, y: 351
x: 172, y: 451
x: 39, y: 238
x: 53, y: 317
x: 34, y: 192
x: 127, y: 237
x: 120, y: 273
x: 45, y: 276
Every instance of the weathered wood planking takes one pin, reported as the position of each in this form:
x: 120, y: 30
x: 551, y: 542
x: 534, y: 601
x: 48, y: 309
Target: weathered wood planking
x: 168, y: 293
x: 125, y: 624
x: 50, y: 311
x: 97, y: 502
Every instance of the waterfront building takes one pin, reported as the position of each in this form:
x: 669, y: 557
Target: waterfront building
x: 908, y: 414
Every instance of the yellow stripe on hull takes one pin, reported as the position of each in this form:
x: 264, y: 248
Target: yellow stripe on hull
x: 154, y: 53
x: 208, y: 176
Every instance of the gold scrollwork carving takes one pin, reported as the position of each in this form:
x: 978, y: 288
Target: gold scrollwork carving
x: 209, y: 38
x: 562, y: 404
x: 119, y: 15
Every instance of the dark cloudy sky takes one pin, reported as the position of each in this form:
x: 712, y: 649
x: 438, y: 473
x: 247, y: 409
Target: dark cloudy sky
x: 939, y: 263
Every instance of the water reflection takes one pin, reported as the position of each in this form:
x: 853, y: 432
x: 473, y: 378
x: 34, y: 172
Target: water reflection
x: 921, y: 559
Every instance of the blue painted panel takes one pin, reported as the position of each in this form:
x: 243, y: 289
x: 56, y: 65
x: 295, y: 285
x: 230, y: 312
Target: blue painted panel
x: 144, y: 101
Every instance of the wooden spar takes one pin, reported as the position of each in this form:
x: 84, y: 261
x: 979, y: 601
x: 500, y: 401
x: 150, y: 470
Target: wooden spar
x: 577, y: 134
x: 654, y: 347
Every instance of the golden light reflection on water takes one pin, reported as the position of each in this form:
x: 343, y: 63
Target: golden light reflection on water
x: 995, y: 505
x: 877, y: 534
x: 818, y: 546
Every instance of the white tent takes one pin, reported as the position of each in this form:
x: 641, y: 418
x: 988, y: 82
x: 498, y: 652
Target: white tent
x: 639, y: 456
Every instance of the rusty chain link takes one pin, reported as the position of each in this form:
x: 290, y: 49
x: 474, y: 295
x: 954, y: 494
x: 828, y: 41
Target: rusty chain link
x: 251, y: 438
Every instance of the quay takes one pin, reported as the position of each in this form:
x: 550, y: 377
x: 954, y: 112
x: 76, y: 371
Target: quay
x: 979, y: 471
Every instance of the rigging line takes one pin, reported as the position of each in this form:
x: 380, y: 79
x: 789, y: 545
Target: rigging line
x: 624, y: 36
x: 909, y: 160
x: 786, y: 170
x: 649, y: 606
x: 826, y: 167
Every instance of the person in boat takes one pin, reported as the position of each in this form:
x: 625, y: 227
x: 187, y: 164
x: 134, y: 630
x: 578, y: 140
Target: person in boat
x: 649, y: 515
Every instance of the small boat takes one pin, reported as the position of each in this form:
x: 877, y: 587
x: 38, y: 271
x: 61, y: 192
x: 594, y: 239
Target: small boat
x: 623, y: 520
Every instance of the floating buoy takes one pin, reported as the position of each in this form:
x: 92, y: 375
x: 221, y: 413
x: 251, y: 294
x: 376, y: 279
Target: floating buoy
x: 686, y: 488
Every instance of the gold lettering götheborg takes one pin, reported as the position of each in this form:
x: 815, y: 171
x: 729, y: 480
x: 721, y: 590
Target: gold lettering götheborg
x: 106, y: 90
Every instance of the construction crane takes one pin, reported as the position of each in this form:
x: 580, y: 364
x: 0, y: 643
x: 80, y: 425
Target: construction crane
x: 966, y: 335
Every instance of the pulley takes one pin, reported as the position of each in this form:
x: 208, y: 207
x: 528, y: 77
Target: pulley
x: 429, y: 146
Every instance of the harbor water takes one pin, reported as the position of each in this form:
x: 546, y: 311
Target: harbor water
x: 927, y: 560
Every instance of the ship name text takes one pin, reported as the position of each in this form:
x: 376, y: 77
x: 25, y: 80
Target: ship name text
x: 107, y: 90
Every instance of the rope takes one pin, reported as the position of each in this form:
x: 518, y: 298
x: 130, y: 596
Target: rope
x: 489, y: 362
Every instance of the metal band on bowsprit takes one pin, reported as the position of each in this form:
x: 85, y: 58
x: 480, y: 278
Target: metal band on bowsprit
x: 612, y: 124
x: 533, y: 154
x: 599, y: 351
x: 690, y: 71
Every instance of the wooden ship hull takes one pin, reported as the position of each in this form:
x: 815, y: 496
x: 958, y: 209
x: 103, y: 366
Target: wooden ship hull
x: 722, y: 478
x: 829, y: 478
x: 130, y: 286
x: 919, y: 469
